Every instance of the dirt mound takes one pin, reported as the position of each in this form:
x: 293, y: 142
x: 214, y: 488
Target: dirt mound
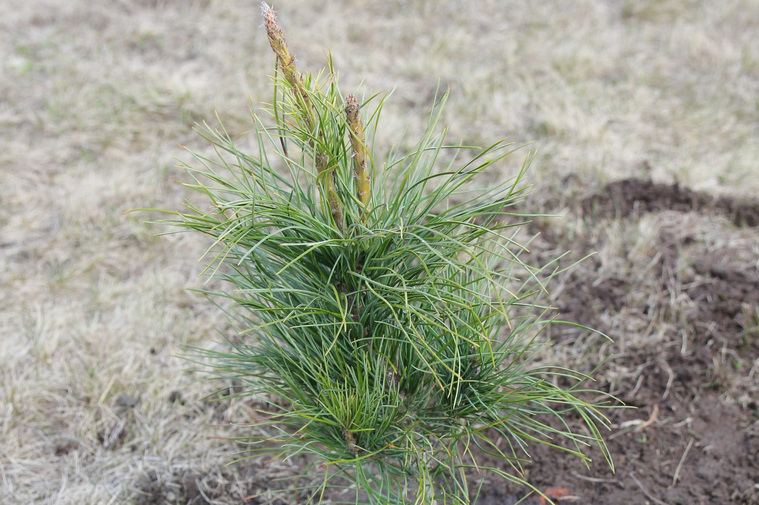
x: 686, y: 339
x: 697, y: 448
x: 632, y: 197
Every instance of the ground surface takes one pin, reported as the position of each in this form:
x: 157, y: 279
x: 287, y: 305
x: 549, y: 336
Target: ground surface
x: 646, y: 117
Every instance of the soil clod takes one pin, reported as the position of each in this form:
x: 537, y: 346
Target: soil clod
x: 633, y: 197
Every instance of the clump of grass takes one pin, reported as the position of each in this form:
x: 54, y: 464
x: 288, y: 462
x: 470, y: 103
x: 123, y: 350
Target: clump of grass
x: 390, y: 328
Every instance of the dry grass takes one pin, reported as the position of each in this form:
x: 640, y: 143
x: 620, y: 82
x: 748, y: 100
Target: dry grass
x: 96, y: 97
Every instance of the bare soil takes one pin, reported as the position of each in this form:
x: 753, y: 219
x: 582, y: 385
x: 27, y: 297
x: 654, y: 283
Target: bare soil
x: 697, y: 444
x: 632, y: 197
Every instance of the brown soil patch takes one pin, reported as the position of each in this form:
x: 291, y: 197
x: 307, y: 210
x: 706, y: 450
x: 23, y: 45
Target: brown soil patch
x: 631, y: 197
x: 702, y: 444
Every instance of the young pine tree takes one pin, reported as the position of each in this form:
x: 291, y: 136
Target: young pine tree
x: 389, y: 323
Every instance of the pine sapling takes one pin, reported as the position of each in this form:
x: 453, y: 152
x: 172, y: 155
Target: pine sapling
x: 382, y: 305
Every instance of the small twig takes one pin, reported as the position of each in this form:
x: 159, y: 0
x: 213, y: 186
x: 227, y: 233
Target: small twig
x: 685, y: 421
x: 598, y: 480
x: 200, y: 490
x: 634, y: 391
x: 638, y: 423
x: 645, y: 491
x: 684, y: 342
x: 680, y: 464
x: 670, y: 379
x: 651, y: 420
